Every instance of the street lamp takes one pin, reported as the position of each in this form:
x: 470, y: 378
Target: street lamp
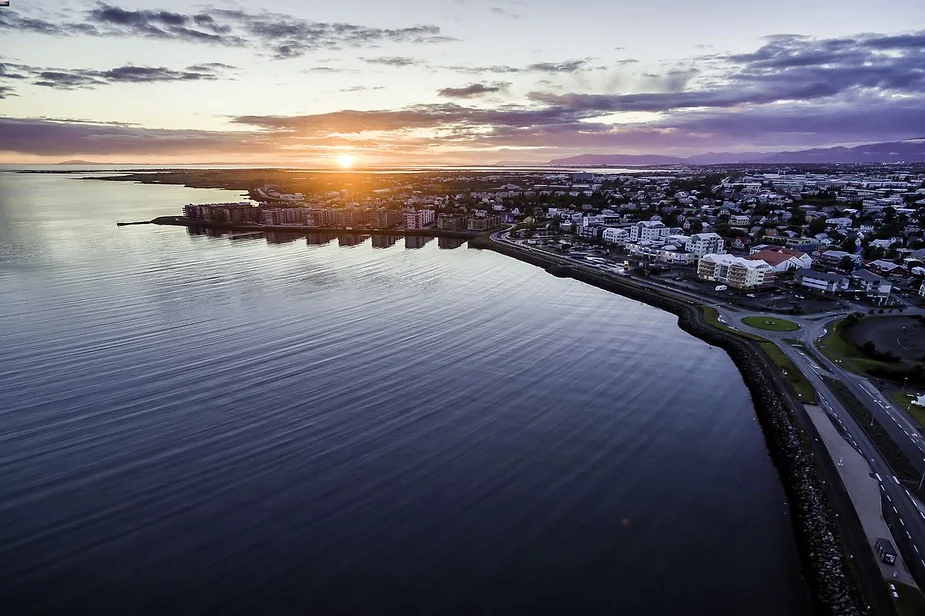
x: 922, y: 480
x: 905, y: 381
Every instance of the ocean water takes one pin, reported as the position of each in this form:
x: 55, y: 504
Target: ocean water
x: 196, y: 423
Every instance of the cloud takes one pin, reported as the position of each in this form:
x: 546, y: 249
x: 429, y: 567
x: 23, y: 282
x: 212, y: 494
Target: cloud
x: 6, y: 91
x: 476, y: 89
x: 280, y: 35
x: 70, y: 79
x: 392, y: 61
x: 569, y: 66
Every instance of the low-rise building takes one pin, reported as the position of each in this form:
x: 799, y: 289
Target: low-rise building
x: 873, y: 286
x: 823, y: 282
x: 782, y: 259
x: 735, y: 271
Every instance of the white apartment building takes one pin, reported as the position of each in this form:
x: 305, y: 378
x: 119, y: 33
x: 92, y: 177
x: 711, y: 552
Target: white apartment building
x: 615, y: 235
x: 418, y: 219
x: 648, y: 230
x: 734, y: 271
x: 705, y: 243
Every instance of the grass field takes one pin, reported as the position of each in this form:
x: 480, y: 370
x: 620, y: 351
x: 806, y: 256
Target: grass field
x: 711, y: 316
x: 839, y: 350
x: 774, y: 325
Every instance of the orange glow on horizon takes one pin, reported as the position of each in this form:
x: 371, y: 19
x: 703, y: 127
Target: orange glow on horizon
x: 346, y: 160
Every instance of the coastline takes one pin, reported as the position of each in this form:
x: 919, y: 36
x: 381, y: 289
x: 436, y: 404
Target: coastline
x: 834, y: 587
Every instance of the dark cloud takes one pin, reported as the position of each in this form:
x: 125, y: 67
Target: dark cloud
x: 283, y: 36
x: 6, y: 91
x: 470, y: 91
x: 70, y: 79
x: 393, y: 61
x: 569, y: 66
x: 63, y: 138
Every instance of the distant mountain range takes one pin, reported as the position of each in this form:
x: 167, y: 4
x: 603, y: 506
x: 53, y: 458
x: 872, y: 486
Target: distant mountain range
x: 909, y: 151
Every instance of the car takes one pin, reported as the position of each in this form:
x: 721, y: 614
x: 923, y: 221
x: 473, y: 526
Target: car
x: 749, y: 295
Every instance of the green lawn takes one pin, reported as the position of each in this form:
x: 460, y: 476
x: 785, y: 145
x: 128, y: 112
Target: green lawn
x: 711, y: 316
x: 800, y: 385
x: 771, y: 324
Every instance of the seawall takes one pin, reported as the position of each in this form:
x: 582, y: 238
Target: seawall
x: 835, y: 590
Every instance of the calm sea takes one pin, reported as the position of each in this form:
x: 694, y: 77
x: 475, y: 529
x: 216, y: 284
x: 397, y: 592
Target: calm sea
x: 199, y: 424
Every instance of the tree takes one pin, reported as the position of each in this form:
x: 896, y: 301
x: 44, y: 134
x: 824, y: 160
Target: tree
x: 846, y: 263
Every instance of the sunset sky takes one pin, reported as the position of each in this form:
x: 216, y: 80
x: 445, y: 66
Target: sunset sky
x: 454, y: 81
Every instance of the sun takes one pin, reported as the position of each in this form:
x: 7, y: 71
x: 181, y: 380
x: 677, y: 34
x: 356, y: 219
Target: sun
x: 346, y: 160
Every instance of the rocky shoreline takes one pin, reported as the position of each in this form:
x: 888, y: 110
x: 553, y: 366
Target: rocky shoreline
x: 834, y: 587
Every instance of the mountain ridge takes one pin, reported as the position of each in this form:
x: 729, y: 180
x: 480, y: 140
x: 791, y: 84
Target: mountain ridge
x: 907, y: 151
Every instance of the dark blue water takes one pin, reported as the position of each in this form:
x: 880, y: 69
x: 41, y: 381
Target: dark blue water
x: 197, y: 424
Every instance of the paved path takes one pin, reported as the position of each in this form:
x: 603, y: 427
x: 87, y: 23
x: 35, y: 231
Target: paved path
x: 864, y: 490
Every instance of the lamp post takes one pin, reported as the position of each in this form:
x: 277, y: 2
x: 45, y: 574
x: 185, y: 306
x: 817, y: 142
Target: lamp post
x: 922, y: 480
x: 905, y: 381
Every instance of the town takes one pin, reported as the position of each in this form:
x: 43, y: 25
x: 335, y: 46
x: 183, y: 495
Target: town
x: 783, y: 238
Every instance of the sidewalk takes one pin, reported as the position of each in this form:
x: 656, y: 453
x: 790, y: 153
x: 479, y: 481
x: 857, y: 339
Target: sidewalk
x: 863, y: 489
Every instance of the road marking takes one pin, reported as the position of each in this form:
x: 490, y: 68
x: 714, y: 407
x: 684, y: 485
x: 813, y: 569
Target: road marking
x: 896, y: 480
x: 878, y: 477
x: 901, y: 522
x: 916, y: 548
x: 894, y: 510
x: 888, y: 498
x: 908, y: 534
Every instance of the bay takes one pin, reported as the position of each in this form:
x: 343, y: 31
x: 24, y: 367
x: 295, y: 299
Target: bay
x: 193, y: 423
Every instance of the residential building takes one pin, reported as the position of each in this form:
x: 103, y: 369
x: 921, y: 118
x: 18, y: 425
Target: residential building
x: 833, y: 258
x: 452, y: 222
x: 782, y: 259
x: 615, y: 235
x: 823, y: 282
x: 286, y: 216
x: 740, y: 220
x: 705, y: 243
x: 648, y: 230
x: 872, y: 285
x: 234, y: 213
x: 383, y: 219
x: 735, y: 271
x: 483, y: 223
x: 418, y: 219
x: 887, y: 268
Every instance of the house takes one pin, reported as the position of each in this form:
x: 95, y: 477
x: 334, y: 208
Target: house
x: 741, y: 243
x: 483, y: 223
x: 705, y: 243
x: 735, y: 271
x: 823, y: 282
x: 887, y: 268
x: 783, y: 259
x: 740, y: 220
x: 872, y: 285
x: 833, y: 258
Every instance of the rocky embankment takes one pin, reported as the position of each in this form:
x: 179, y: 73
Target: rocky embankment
x: 834, y: 588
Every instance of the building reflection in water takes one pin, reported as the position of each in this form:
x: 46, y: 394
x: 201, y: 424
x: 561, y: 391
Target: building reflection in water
x: 449, y: 243
x: 319, y: 239
x: 281, y: 237
x: 346, y: 241
x: 385, y: 241
x: 415, y: 241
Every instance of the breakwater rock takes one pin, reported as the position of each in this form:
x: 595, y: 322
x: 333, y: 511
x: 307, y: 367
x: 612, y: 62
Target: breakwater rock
x: 822, y: 556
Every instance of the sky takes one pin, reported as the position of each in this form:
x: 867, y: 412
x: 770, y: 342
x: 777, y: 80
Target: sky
x: 423, y: 82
